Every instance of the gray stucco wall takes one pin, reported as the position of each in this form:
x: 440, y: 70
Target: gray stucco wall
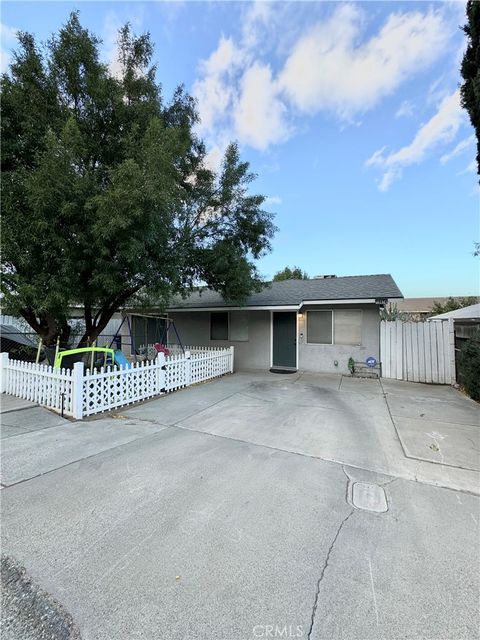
x: 321, y: 357
x: 194, y: 329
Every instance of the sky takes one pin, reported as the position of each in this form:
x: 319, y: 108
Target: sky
x: 348, y: 112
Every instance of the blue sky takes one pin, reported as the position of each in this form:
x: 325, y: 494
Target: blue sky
x: 348, y: 113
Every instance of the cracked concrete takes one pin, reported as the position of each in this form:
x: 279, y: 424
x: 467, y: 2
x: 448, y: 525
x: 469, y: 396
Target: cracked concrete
x: 324, y: 568
x: 220, y: 508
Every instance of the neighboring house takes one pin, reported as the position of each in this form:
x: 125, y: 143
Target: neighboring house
x: 312, y: 325
x: 418, y: 309
x: 466, y: 322
x: 465, y: 314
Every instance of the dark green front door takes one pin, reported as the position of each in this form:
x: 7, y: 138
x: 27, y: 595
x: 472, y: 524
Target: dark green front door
x: 284, y: 339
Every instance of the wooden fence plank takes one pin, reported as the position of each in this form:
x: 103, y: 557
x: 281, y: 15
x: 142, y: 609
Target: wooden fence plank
x: 399, y: 349
x: 428, y: 350
x: 385, y: 348
x: 440, y: 351
x: 417, y: 351
x: 434, y: 352
x: 421, y: 352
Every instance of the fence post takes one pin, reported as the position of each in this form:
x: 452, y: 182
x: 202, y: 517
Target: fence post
x: 188, y: 369
x: 3, y: 372
x: 231, y: 359
x: 451, y: 351
x: 77, y: 390
x: 161, y: 372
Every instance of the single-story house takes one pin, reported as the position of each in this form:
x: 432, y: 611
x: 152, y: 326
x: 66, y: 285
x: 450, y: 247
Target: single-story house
x: 312, y: 325
x: 465, y: 314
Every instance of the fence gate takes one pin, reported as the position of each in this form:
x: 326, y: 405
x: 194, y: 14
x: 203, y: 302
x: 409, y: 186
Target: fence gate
x: 418, y: 351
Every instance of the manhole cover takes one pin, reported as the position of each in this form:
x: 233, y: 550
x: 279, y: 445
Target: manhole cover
x: 370, y: 497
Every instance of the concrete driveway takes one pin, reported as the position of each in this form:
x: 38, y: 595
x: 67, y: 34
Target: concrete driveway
x: 257, y: 506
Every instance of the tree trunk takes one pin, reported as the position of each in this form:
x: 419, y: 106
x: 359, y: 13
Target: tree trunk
x: 48, y: 328
x: 98, y: 322
x: 89, y: 337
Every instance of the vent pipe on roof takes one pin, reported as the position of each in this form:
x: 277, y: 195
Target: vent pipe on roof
x: 324, y: 277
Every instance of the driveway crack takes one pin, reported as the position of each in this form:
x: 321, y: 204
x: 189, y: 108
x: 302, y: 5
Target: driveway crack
x: 324, y: 568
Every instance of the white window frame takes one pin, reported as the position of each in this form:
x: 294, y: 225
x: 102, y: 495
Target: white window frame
x: 333, y: 343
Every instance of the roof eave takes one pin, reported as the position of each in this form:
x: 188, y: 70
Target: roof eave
x: 280, y: 307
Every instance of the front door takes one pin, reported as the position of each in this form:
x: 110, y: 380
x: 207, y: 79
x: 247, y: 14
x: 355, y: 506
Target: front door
x: 284, y: 340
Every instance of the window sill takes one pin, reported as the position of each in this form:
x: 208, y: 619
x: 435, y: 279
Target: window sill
x: 329, y: 344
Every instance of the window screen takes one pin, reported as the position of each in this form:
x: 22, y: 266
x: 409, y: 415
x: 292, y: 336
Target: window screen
x: 219, y: 326
x: 348, y: 327
x: 319, y: 327
x: 239, y: 326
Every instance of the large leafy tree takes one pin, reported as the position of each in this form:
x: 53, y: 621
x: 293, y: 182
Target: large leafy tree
x: 470, y: 70
x: 294, y: 273
x: 106, y: 196
x: 452, y: 304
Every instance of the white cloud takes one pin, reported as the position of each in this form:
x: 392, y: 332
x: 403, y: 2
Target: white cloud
x: 8, y: 38
x: 377, y: 158
x: 470, y: 168
x: 112, y: 23
x: 329, y: 69
x: 459, y: 149
x: 388, y: 177
x: 332, y: 66
x: 237, y: 96
x: 271, y: 200
x: 442, y: 128
x: 405, y: 110
x: 214, y: 158
x: 111, y: 26
x: 258, y: 16
x: 215, y: 90
x: 259, y: 117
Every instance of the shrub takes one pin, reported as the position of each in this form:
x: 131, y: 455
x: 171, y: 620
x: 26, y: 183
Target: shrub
x: 469, y: 366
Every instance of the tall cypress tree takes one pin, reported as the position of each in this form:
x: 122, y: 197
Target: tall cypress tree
x: 470, y: 70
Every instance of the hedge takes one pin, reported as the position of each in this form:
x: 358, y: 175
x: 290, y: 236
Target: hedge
x: 469, y: 366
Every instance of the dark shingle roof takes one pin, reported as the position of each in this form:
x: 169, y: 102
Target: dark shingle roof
x: 294, y: 292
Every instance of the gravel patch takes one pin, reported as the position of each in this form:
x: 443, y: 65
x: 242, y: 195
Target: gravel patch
x: 29, y: 612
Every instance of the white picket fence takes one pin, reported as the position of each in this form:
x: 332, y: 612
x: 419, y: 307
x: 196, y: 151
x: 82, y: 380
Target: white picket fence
x: 80, y: 393
x: 38, y: 383
x: 418, y: 351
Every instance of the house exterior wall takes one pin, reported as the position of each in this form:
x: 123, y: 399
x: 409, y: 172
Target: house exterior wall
x: 194, y: 329
x: 322, y: 357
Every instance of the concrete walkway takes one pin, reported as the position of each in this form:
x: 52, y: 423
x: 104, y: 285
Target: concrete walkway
x: 254, y: 504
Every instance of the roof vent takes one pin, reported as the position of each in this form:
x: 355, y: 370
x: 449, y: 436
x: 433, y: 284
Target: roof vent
x: 324, y: 277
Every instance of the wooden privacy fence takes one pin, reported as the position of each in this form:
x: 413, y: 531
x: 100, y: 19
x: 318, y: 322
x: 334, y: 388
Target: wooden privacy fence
x: 78, y: 393
x: 418, y: 351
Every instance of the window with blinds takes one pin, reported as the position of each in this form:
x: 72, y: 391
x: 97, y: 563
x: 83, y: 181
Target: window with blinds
x: 343, y: 326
